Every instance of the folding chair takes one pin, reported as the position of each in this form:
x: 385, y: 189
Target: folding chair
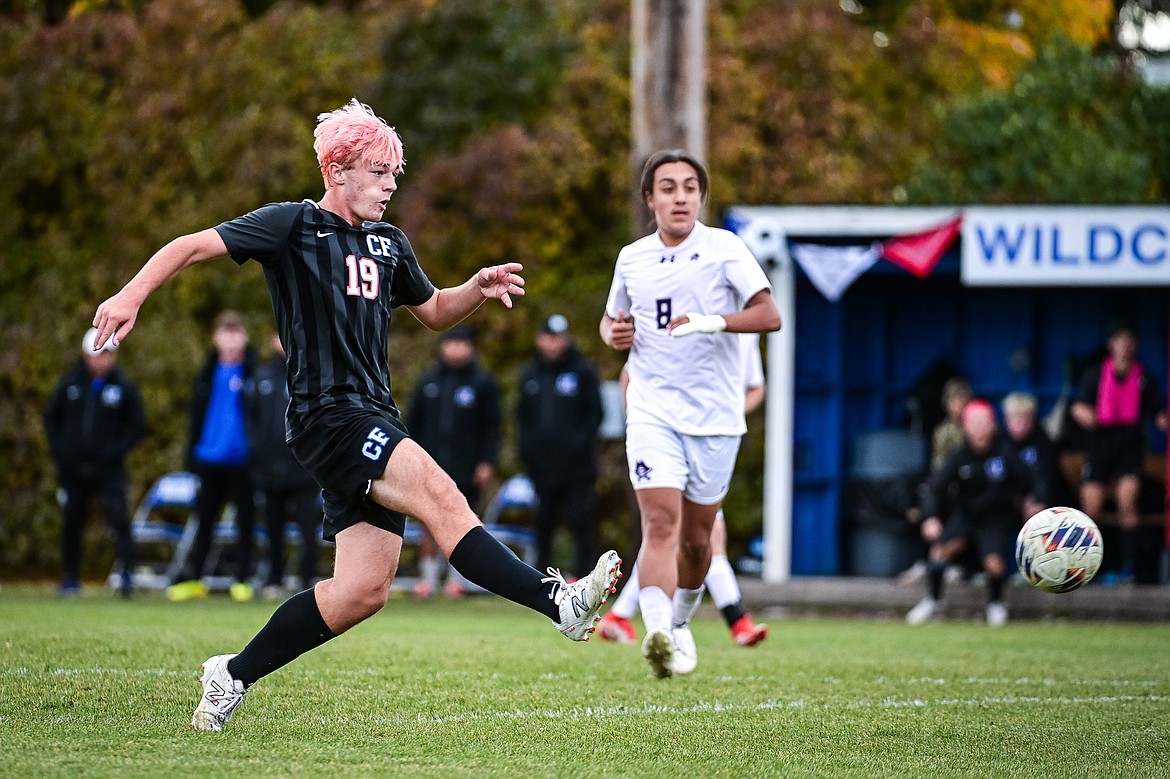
x: 516, y: 494
x: 173, y: 492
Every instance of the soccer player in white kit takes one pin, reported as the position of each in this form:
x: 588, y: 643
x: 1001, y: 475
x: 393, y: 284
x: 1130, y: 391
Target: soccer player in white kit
x: 676, y: 296
x: 720, y: 581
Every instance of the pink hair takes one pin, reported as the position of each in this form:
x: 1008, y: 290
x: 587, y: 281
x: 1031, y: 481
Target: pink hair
x: 354, y: 134
x: 978, y: 406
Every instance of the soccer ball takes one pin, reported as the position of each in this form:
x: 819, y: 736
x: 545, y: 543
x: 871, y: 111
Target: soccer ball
x: 1059, y: 549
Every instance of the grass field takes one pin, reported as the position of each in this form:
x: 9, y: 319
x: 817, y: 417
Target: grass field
x: 100, y: 687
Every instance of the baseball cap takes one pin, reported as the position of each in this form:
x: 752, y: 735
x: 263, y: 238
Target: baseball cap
x: 88, y: 341
x: 556, y: 324
x: 459, y: 333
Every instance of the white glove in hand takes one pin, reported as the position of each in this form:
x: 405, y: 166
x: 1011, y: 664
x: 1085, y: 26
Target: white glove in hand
x: 700, y: 323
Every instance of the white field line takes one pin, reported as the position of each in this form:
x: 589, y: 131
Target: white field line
x: 1023, y: 681
x: 714, y: 707
x: 772, y: 705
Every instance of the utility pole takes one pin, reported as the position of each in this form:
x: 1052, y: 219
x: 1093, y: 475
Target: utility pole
x: 668, y: 79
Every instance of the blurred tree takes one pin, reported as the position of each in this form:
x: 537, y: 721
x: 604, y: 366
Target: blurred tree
x: 1072, y: 129
x: 456, y: 68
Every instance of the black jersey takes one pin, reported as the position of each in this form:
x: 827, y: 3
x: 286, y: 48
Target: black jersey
x: 985, y: 487
x: 333, y: 287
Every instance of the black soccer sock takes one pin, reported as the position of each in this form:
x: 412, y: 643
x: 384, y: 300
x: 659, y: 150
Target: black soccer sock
x: 1129, y: 550
x: 994, y: 589
x: 935, y: 571
x: 733, y: 613
x: 483, y: 560
x: 293, y: 629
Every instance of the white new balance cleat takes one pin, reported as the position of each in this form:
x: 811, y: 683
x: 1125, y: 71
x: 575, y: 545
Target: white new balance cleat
x: 580, y: 602
x: 926, y: 609
x: 658, y: 649
x: 221, y: 695
x: 686, y: 656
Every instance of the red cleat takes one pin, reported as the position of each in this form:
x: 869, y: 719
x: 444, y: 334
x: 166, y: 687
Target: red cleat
x: 747, y: 633
x: 615, y: 628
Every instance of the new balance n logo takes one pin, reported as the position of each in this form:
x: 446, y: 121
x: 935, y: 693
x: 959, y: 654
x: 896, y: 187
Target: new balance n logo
x: 580, y: 605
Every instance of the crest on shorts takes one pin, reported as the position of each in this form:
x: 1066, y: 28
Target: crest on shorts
x: 642, y: 470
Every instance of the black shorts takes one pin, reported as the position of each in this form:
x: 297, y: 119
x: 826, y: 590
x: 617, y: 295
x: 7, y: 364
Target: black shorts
x: 988, y: 537
x: 1113, y: 452
x: 345, y: 448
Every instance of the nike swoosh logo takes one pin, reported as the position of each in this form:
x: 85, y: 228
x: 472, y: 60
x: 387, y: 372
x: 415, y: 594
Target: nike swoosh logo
x: 322, y: 235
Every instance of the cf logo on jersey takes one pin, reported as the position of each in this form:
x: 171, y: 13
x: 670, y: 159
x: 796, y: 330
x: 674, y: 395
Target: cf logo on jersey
x: 379, y: 246
x: 375, y: 442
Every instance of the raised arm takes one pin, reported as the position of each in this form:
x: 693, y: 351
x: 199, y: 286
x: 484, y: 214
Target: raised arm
x: 449, y: 306
x: 115, y: 317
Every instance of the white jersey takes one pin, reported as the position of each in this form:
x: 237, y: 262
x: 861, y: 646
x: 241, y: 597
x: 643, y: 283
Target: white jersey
x: 693, y: 384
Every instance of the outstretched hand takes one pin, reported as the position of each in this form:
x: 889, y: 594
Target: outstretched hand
x: 501, y: 281
x: 115, y: 319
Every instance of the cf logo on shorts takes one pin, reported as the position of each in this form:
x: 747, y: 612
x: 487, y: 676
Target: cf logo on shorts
x: 375, y: 441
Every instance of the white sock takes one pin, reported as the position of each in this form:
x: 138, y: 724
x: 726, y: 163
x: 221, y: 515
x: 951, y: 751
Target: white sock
x: 684, y: 606
x: 721, y: 582
x: 428, y: 569
x: 656, y: 609
x: 626, y: 605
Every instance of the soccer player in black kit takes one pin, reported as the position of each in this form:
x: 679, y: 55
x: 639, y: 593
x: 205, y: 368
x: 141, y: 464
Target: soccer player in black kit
x: 334, y: 273
x: 980, y: 489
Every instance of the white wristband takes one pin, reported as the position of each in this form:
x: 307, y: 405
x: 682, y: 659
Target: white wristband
x: 700, y: 323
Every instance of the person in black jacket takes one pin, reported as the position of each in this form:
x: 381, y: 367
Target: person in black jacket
x: 558, y: 414
x: 290, y: 493
x: 455, y: 416
x: 218, y: 454
x: 92, y: 420
x: 980, y: 488
x: 1032, y: 446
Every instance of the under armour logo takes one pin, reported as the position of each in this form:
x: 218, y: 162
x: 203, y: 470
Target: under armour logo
x: 642, y: 471
x: 666, y: 258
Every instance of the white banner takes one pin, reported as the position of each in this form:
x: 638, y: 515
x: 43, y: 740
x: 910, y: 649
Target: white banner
x: 831, y: 269
x: 1093, y: 246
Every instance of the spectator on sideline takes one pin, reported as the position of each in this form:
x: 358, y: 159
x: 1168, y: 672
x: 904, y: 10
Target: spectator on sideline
x: 720, y: 580
x: 1118, y: 398
x: 455, y: 417
x: 558, y: 415
x: 948, y: 436
x: 345, y: 425
x: 979, y: 490
x: 676, y: 298
x: 218, y: 454
x: 93, y: 418
x: 290, y: 494
x: 1032, y: 446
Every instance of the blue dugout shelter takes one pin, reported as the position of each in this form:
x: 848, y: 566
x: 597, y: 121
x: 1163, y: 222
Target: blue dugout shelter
x: 1022, y: 294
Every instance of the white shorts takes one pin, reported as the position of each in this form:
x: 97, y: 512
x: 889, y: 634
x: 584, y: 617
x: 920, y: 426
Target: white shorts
x: 698, y: 465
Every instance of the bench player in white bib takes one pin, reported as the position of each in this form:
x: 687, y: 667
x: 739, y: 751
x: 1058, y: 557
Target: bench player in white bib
x: 677, y: 297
